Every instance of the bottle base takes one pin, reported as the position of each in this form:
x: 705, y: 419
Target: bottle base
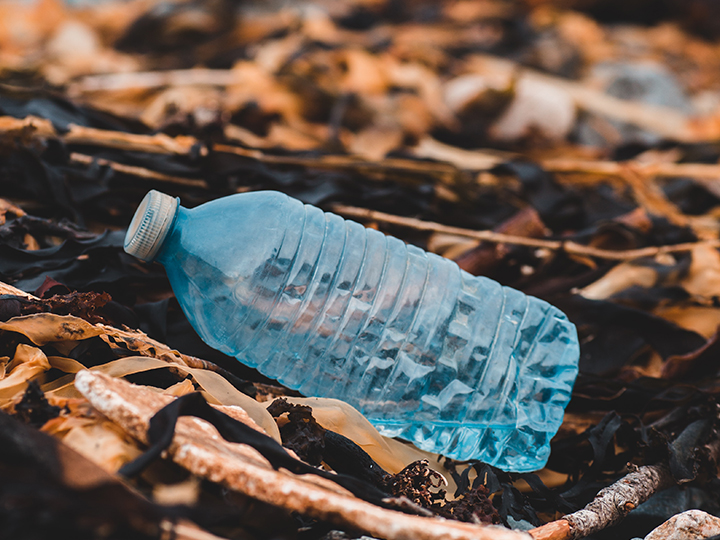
x: 502, y: 446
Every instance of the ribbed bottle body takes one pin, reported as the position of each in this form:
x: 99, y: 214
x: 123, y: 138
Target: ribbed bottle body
x: 454, y: 363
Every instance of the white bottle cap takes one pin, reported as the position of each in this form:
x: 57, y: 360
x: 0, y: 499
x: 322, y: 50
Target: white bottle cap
x: 150, y: 225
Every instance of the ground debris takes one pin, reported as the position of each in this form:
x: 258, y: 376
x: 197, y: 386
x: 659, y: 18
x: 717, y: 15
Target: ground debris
x: 419, y: 483
x: 299, y: 430
x: 566, y: 148
x: 473, y: 506
x: 85, y: 305
x: 33, y: 409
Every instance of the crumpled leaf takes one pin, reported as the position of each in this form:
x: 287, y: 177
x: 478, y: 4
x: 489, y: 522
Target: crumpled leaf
x: 60, y: 330
x: 703, y: 276
x: 27, y: 363
x: 102, y: 442
x: 87, y: 305
x: 34, y: 408
x: 299, y: 430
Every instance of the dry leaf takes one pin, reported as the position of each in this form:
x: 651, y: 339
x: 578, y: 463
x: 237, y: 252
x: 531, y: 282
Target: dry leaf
x: 538, y: 106
x: 104, y: 443
x: 621, y: 277
x: 27, y: 363
x: 374, y: 143
x: 478, y: 160
x: 704, y: 320
x: 703, y: 277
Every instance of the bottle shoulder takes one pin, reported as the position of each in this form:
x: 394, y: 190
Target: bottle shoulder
x: 227, y: 231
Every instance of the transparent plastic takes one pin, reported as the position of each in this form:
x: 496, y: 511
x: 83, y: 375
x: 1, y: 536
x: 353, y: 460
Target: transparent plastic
x: 454, y: 363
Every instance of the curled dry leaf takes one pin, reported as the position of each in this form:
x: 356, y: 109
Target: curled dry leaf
x: 620, y: 278
x: 703, y: 276
x: 27, y: 363
x: 104, y: 443
x: 198, y: 447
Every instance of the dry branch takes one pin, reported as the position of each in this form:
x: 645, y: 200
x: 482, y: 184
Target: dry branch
x: 144, y: 80
x: 499, y: 238
x: 445, y: 170
x: 610, y: 505
x: 406, y: 167
x: 615, y: 168
x: 140, y: 172
x: 156, y: 144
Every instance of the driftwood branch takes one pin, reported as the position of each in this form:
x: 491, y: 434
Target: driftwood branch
x: 156, y: 144
x: 610, y: 505
x: 144, y: 80
x: 443, y: 172
x: 500, y: 238
x: 615, y: 168
x: 140, y: 172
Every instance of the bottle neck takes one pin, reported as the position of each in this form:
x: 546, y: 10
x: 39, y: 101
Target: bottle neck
x: 165, y: 250
x: 151, y: 225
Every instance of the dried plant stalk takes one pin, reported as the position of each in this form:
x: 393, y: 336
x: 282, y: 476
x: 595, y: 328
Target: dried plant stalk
x: 156, y: 144
x: 610, y: 505
x: 140, y: 172
x: 500, y: 238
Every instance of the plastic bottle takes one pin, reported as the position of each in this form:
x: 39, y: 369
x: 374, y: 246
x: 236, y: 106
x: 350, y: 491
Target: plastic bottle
x: 454, y: 363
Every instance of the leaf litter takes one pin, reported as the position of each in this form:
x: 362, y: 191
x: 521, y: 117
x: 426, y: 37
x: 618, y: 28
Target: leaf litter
x: 520, y: 139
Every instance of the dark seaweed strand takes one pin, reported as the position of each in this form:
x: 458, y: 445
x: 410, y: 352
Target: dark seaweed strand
x: 162, y: 428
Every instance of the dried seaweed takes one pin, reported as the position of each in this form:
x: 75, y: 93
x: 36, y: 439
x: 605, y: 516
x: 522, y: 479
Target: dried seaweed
x: 299, y: 431
x: 33, y: 409
x: 162, y: 428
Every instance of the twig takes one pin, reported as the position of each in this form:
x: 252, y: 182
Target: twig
x: 444, y: 172
x: 153, y: 79
x: 157, y: 144
x: 140, y: 172
x: 30, y: 126
x: 33, y: 127
x: 610, y: 505
x: 614, y: 168
x: 499, y: 238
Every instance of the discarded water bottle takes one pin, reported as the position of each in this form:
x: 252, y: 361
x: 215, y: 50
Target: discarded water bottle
x: 454, y: 363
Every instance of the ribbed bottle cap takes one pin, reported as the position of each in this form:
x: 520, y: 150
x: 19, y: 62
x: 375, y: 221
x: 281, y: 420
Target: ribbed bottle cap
x: 150, y: 225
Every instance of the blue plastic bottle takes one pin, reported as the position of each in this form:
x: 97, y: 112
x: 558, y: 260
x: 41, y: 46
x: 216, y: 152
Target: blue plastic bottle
x: 454, y: 363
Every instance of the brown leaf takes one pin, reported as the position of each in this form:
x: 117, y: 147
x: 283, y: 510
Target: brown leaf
x: 27, y: 363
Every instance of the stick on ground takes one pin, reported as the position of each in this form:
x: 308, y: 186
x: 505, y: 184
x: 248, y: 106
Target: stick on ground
x: 610, y: 505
